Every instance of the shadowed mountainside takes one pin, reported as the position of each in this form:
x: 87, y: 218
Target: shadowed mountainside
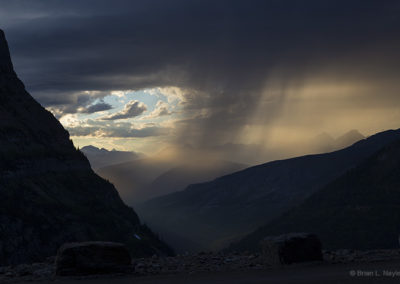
x: 358, y: 210
x: 142, y: 179
x: 48, y: 193
x: 134, y: 177
x: 181, y: 176
x: 213, y: 214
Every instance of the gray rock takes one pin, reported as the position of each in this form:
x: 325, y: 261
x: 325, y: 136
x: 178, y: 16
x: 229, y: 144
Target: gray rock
x: 92, y: 258
x: 3, y: 269
x: 23, y: 270
x: 291, y: 248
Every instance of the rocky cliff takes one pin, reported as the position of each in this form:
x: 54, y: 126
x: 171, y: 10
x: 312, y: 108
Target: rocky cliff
x: 48, y: 193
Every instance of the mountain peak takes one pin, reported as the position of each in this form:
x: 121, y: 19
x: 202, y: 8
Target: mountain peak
x: 353, y: 132
x: 90, y: 148
x: 49, y: 195
x: 349, y: 138
x: 5, y: 59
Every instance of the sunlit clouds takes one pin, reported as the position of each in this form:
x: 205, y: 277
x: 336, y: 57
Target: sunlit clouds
x: 248, y: 81
x: 119, y: 115
x: 131, y: 109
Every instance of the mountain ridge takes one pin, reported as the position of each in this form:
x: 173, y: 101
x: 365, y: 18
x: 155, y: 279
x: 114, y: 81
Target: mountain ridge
x: 49, y: 195
x: 218, y: 212
x: 358, y: 210
x: 146, y: 178
x: 100, y: 157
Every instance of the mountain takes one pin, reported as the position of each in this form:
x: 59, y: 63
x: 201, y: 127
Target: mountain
x: 358, y: 210
x: 134, y: 177
x: 179, y: 177
x: 143, y: 179
x: 48, y: 192
x: 214, y: 214
x: 99, y: 158
x: 348, y: 139
x: 324, y: 143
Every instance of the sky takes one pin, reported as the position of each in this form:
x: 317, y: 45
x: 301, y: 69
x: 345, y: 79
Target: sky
x: 261, y: 77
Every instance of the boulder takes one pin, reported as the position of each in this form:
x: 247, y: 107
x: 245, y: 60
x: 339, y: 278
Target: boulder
x: 92, y: 258
x: 291, y: 248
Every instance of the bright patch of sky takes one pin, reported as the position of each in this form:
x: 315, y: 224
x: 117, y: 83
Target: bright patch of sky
x: 163, y: 108
x: 118, y: 100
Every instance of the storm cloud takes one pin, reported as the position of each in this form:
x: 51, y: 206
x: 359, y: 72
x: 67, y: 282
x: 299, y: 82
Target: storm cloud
x: 255, y: 69
x: 102, y: 106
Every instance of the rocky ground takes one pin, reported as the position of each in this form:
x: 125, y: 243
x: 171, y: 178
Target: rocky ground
x: 191, y: 264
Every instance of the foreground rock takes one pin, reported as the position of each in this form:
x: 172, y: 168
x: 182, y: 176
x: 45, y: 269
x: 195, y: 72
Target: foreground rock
x: 190, y: 264
x: 92, y: 258
x: 291, y: 248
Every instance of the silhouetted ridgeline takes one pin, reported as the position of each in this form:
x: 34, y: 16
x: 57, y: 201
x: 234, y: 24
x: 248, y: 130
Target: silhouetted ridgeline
x: 213, y: 214
x: 143, y: 179
x: 48, y: 193
x: 358, y: 210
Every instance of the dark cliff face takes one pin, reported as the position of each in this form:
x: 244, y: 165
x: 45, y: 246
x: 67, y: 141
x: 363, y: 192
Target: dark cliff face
x: 5, y: 60
x: 26, y: 128
x: 48, y: 193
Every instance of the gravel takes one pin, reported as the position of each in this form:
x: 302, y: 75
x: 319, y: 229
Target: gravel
x: 191, y: 263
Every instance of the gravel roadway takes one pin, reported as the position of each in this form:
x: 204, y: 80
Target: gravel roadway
x: 377, y: 272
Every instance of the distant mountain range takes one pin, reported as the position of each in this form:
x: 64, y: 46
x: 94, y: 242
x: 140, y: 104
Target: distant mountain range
x: 99, y: 158
x: 143, y: 179
x: 49, y: 195
x: 324, y: 142
x: 139, y: 179
x: 133, y: 178
x: 213, y: 214
x: 179, y: 177
x: 358, y: 210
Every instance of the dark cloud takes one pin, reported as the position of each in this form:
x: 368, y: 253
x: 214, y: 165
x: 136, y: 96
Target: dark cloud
x: 102, y: 106
x: 229, y: 52
x: 73, y: 102
x: 83, y: 130
x: 131, y: 109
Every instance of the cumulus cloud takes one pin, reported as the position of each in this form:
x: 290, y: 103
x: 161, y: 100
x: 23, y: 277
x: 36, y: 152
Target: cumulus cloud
x: 132, y: 132
x: 102, y: 106
x: 161, y: 109
x: 83, y: 131
x: 174, y: 93
x: 117, y: 132
x: 101, y: 129
x: 246, y: 67
x: 132, y: 109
